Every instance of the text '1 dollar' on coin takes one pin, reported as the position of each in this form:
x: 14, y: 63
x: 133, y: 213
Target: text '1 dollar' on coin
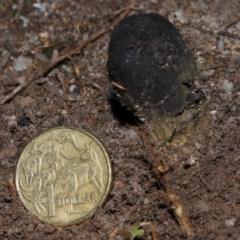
x: 62, y: 175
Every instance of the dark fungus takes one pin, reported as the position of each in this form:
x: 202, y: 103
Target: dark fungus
x: 150, y: 66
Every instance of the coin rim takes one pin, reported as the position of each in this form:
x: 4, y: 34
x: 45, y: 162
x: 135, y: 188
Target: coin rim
x: 109, y: 183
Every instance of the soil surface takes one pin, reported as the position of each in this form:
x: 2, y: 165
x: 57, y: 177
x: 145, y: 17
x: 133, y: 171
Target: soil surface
x: 204, y: 173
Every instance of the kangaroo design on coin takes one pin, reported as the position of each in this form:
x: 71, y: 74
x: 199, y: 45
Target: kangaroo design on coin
x: 62, y: 175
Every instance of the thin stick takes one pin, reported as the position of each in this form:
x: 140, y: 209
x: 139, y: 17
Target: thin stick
x: 119, y: 11
x: 153, y: 233
x: 231, y: 23
x: 61, y: 79
x: 131, y: 210
x: 119, y: 86
x: 79, y: 23
x: 76, y: 50
x: 76, y: 72
x: 203, y: 181
x: 227, y: 26
x: 113, y: 233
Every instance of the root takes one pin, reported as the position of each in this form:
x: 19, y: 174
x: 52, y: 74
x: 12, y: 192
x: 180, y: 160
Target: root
x: 178, y: 209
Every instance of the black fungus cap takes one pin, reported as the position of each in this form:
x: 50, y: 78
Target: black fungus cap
x: 152, y: 64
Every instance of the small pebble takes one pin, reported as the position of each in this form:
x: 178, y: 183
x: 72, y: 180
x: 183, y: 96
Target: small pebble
x: 64, y: 112
x: 4, y: 162
x: 12, y: 121
x: 46, y: 124
x: 226, y: 86
x: 146, y: 201
x: 60, y: 92
x: 230, y: 222
x: 22, y: 63
x: 220, y: 45
x: 72, y: 87
x: 21, y: 79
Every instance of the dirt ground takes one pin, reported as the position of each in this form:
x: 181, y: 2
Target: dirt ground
x: 75, y: 93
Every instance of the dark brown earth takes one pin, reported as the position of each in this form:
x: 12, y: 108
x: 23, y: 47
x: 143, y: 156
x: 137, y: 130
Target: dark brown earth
x: 204, y: 173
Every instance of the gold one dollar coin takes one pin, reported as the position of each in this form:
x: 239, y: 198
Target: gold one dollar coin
x: 63, y: 175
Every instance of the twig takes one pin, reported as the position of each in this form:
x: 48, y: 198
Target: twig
x: 119, y: 11
x: 11, y: 185
x: 76, y: 50
x: 227, y: 26
x: 79, y: 99
x: 77, y: 73
x: 119, y: 86
x: 227, y: 34
x: 221, y: 32
x: 113, y: 233
x: 216, y: 66
x: 231, y: 23
x: 61, y: 79
x: 131, y: 210
x: 153, y: 233
x: 76, y: 29
x: 95, y: 85
x: 203, y: 181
